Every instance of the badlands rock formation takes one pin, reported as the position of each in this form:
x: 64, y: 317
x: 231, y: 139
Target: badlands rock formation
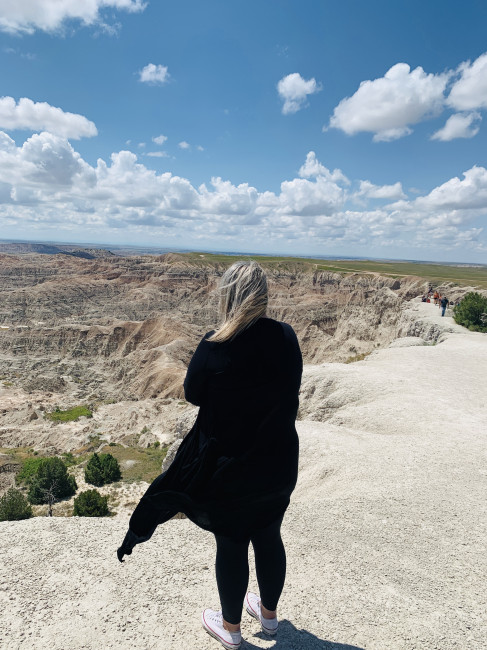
x: 386, y: 533
x: 117, y: 333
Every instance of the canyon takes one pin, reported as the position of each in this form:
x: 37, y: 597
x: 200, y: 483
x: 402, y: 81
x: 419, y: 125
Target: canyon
x: 117, y: 333
x: 385, y: 534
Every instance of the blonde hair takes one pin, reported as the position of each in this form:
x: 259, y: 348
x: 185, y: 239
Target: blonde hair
x: 243, y: 299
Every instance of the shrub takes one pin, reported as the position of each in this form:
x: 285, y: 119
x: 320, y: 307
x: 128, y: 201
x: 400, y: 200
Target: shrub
x: 14, y: 506
x: 471, y: 312
x: 91, y: 503
x: 52, y: 475
x: 357, y: 357
x: 102, y: 469
x: 69, y: 459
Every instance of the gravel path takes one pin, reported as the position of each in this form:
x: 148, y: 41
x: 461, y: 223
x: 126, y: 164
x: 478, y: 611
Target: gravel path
x: 386, y: 535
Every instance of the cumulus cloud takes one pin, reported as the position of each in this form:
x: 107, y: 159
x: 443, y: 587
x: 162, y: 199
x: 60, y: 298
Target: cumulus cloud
x: 184, y: 145
x: 45, y: 181
x: 388, y: 106
x: 470, y: 90
x: 39, y: 116
x: 389, y: 192
x: 154, y: 74
x: 313, y: 168
x: 453, y: 199
x: 460, y: 125
x: 26, y: 16
x: 159, y: 139
x: 294, y: 90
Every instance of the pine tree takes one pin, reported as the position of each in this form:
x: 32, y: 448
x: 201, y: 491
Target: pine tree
x: 111, y: 468
x: 472, y: 312
x: 14, y: 506
x: 102, y: 469
x: 51, y: 481
x: 94, y: 471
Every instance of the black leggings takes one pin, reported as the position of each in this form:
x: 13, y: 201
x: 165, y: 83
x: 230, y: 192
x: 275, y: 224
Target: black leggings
x: 232, y: 569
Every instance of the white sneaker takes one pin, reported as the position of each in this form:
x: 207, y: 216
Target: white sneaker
x: 212, y: 621
x: 252, y: 605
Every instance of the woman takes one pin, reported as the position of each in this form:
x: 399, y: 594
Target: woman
x: 236, y: 469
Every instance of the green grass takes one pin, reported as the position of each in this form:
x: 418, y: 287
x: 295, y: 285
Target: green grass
x: 147, y: 464
x: 70, y: 415
x: 357, y: 357
x: 19, y: 454
x: 475, y: 276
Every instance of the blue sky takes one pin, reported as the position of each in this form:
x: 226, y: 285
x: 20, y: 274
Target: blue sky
x: 307, y: 128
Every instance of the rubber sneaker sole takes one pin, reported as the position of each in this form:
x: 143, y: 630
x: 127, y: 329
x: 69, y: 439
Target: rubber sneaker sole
x: 215, y: 635
x: 255, y: 615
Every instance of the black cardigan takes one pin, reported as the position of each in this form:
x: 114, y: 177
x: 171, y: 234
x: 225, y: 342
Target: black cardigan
x: 236, y: 469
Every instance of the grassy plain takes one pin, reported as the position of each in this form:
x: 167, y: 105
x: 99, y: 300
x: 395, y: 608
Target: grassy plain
x: 461, y: 274
x: 145, y: 466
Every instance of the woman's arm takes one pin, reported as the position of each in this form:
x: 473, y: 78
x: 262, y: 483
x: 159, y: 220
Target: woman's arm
x: 195, y: 381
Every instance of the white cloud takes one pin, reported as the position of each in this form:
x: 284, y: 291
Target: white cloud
x: 159, y: 139
x: 45, y: 162
x: 154, y: 74
x: 455, y: 197
x: 313, y: 168
x: 184, y: 145
x: 321, y: 197
x: 392, y: 134
x: 25, y: 16
x: 470, y: 91
x: 157, y: 154
x: 460, y: 125
x: 200, y: 148
x: 390, y: 192
x: 389, y: 105
x: 45, y: 182
x: 294, y: 90
x: 39, y: 116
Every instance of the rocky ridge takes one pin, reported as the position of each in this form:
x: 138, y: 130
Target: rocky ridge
x: 116, y: 333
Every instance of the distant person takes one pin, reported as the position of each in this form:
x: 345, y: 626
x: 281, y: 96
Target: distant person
x: 444, y: 304
x: 236, y: 469
x: 423, y: 298
x: 436, y: 297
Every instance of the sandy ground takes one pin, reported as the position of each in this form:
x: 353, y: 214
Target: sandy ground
x: 386, y: 533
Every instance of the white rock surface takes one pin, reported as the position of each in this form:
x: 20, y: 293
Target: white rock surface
x: 386, y: 533
x: 407, y: 342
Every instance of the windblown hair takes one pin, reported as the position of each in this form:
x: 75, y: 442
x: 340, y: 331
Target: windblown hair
x: 243, y: 299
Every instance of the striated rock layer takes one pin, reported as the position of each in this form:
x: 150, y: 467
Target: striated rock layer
x: 112, y: 329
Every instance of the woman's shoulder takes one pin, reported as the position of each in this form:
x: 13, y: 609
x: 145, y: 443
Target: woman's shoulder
x: 276, y: 326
